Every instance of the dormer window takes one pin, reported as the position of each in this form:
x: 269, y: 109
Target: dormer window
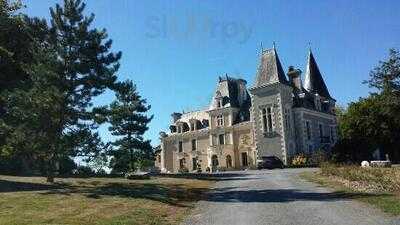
x: 318, y: 103
x: 218, y: 99
x: 220, y: 120
x: 219, y: 103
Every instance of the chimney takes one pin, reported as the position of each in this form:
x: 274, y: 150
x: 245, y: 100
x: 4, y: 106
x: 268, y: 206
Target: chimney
x: 294, y: 77
x: 176, y: 116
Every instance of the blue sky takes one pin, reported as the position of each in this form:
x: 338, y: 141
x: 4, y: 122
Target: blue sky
x: 175, y: 50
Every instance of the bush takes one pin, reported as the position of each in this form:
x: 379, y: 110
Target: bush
x: 299, y: 160
x: 137, y: 176
x: 84, y: 171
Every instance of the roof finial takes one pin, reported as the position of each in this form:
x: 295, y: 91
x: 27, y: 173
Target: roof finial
x: 273, y: 45
x: 309, y: 47
x: 262, y: 48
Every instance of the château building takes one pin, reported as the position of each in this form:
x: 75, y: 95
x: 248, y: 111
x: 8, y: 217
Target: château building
x: 277, y: 116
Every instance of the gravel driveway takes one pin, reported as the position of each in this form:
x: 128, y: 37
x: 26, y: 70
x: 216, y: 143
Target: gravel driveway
x: 280, y: 197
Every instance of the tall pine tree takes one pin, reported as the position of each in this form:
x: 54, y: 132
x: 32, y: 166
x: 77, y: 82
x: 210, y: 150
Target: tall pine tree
x: 85, y: 68
x: 129, y: 122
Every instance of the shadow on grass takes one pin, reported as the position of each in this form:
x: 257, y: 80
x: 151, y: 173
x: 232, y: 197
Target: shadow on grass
x: 173, y: 194
x: 281, y: 195
x: 206, y: 176
x: 14, y: 186
x: 177, y: 195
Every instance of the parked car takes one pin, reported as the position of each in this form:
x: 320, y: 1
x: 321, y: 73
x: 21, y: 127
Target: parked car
x: 270, y: 162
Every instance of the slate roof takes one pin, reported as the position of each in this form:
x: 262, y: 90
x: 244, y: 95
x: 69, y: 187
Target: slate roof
x: 270, y: 69
x: 313, y: 81
x: 233, y: 93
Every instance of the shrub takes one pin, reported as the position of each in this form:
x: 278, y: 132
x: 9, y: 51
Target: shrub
x: 137, y: 176
x: 299, y: 160
x: 84, y: 171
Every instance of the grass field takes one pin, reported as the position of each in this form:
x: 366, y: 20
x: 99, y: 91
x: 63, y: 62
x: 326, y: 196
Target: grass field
x: 102, y: 201
x: 375, y: 186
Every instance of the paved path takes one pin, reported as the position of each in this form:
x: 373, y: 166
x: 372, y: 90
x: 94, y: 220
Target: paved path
x: 280, y: 197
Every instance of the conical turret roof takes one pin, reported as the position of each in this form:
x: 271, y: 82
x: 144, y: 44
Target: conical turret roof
x: 313, y: 81
x: 270, y: 69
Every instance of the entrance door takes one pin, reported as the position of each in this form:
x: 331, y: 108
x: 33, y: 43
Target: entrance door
x: 228, y: 161
x: 214, y: 161
x: 244, y: 159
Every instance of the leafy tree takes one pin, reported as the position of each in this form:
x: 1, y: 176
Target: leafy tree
x: 66, y: 166
x: 129, y: 122
x: 26, y: 90
x: 386, y: 76
x: 99, y: 163
x: 374, y: 122
x: 84, y: 171
x: 386, y: 79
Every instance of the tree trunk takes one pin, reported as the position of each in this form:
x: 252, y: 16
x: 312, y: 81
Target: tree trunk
x: 131, y: 160
x: 50, y: 178
x: 50, y: 170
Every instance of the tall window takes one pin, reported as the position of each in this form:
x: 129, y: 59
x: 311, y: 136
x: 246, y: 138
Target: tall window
x: 287, y: 120
x: 192, y: 126
x: 332, y: 135
x: 220, y: 120
x: 182, y: 163
x: 221, y: 139
x: 180, y: 146
x: 194, y: 163
x: 267, y: 119
x: 228, y: 161
x: 321, y: 131
x: 308, y: 130
x: 194, y: 145
x: 310, y: 147
x: 219, y: 103
x: 264, y: 119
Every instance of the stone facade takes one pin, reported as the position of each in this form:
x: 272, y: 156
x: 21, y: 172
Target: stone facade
x: 275, y: 117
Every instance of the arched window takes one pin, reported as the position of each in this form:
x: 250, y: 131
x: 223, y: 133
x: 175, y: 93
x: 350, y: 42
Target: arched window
x: 214, y: 161
x: 228, y: 161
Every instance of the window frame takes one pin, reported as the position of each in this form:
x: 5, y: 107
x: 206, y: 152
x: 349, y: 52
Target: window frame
x: 223, y: 139
x: 308, y: 130
x: 267, y: 117
x: 194, y: 144
x: 220, y: 120
x: 180, y: 146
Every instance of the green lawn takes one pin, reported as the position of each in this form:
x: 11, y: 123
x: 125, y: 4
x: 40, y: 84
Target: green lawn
x: 29, y: 200
x: 387, y: 201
